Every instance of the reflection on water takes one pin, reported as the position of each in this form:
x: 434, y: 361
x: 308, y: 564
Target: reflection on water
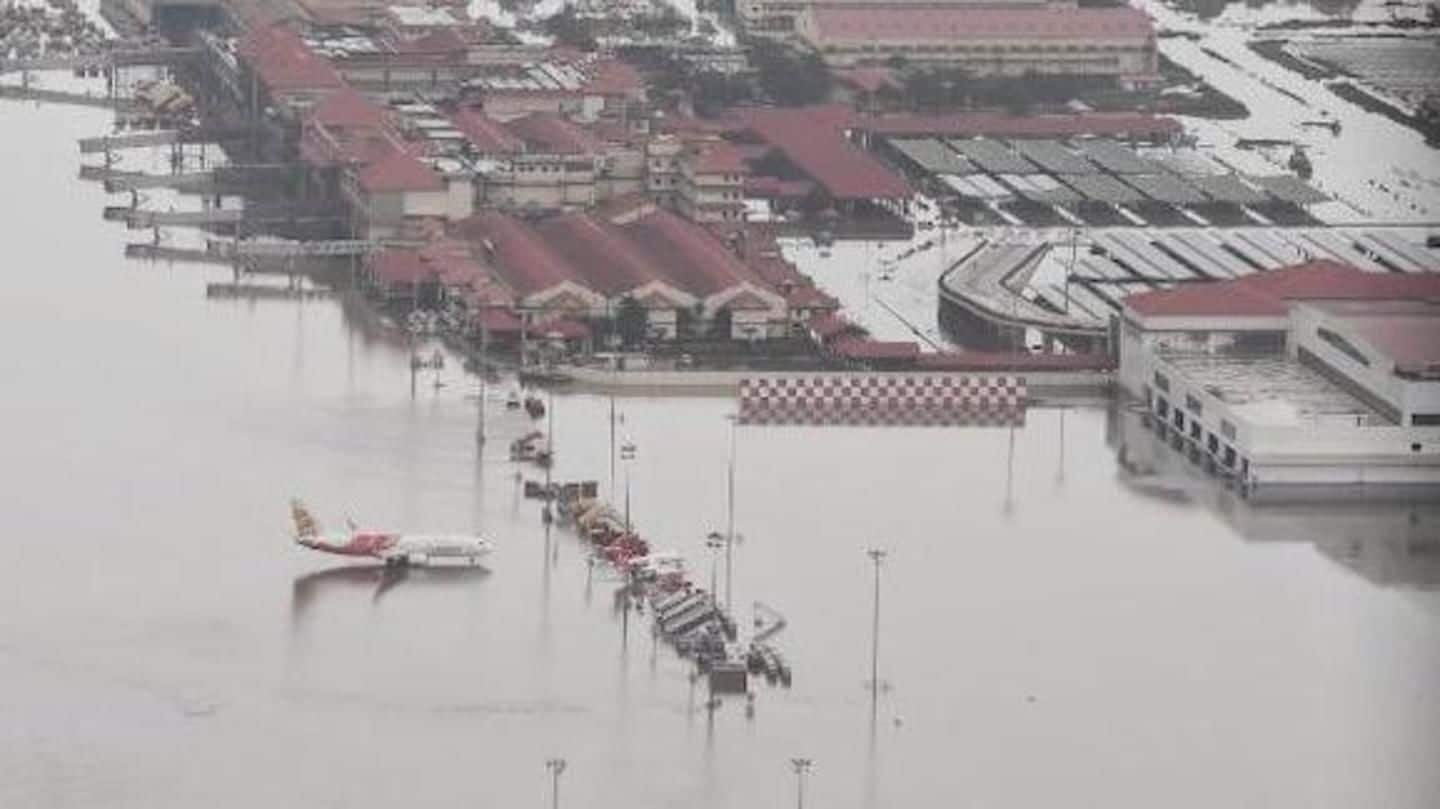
x: 1390, y: 539
x: 376, y: 579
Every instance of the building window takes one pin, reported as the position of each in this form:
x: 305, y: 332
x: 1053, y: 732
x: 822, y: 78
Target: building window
x: 1342, y: 345
x: 1227, y: 429
x: 1229, y: 457
x: 1162, y: 382
x: 1179, y: 419
x: 1425, y: 420
x: 1195, y: 430
x: 1193, y: 405
x: 1212, y: 443
x: 1162, y: 407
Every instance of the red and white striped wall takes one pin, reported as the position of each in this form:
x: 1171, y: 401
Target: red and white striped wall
x: 883, y: 399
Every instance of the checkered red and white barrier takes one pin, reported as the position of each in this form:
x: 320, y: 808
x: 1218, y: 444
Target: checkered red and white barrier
x: 884, y: 399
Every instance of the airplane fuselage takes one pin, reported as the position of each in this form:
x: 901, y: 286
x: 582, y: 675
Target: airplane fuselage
x: 403, y: 549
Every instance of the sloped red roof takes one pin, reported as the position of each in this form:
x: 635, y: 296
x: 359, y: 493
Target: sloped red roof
x: 610, y: 76
x: 497, y: 320
x: 687, y: 255
x: 1266, y: 293
x: 601, y: 252
x: 349, y: 109
x: 402, y: 267
x: 549, y: 133
x: 283, y: 60
x: 487, y: 134
x: 828, y: 324
x: 400, y: 171
x: 718, y: 157
x: 518, y: 254
x: 812, y: 139
x: 949, y: 23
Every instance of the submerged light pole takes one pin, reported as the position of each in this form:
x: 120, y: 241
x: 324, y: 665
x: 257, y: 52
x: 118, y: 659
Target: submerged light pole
x: 877, y: 555
x: 802, y: 768
x: 556, y: 766
x: 714, y: 542
x: 627, y: 454
x: 734, y: 419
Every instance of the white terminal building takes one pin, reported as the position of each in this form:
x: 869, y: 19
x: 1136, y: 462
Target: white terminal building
x: 1314, y: 375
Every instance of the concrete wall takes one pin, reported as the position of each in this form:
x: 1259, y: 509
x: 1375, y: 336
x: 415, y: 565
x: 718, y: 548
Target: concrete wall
x: 1372, y: 379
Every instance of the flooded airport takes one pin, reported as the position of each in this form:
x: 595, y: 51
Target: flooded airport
x: 1068, y: 607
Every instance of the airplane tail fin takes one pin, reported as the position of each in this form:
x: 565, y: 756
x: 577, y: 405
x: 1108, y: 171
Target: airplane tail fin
x: 305, y: 525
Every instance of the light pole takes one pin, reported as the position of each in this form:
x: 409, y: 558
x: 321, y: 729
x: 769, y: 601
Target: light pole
x: 802, y: 768
x: 555, y: 766
x: 715, y: 542
x: 877, y: 555
x: 734, y: 419
x: 627, y: 454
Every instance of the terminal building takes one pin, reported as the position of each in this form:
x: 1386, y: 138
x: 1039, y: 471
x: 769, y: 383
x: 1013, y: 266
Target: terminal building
x: 1315, y: 375
x: 1116, y: 42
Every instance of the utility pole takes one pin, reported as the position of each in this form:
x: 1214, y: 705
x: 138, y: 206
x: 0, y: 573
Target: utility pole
x: 556, y: 766
x: 877, y: 555
x: 715, y: 542
x: 627, y: 454
x: 802, y: 768
x: 730, y: 515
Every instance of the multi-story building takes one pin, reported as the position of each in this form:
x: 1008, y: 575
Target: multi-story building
x: 1316, y: 375
x: 1115, y: 42
x: 712, y: 182
x: 779, y: 18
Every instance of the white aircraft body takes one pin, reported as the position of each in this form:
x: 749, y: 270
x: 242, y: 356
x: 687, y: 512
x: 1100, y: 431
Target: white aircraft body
x: 390, y: 547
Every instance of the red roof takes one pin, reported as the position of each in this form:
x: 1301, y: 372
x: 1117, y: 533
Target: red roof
x: 912, y: 23
x: 828, y: 324
x: 400, y: 171
x: 601, y: 252
x: 402, y: 267
x: 284, y: 61
x: 859, y: 348
x: 1408, y: 332
x: 718, y: 157
x: 497, y: 320
x: 1265, y: 294
x: 519, y: 255
x: 1000, y: 125
x: 549, y: 133
x: 811, y: 138
x: 609, y: 76
x: 689, y: 256
x: 487, y: 134
x: 348, y: 109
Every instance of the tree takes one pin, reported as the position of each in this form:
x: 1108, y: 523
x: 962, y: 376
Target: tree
x: 631, y: 321
x: 569, y: 29
x: 790, y: 78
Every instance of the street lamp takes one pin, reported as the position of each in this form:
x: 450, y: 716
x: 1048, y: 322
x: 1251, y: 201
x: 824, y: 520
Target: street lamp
x: 627, y: 454
x: 715, y: 542
x: 555, y: 766
x: 734, y: 419
x: 877, y: 555
x: 802, y: 768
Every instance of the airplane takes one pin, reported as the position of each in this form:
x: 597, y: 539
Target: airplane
x: 392, y: 548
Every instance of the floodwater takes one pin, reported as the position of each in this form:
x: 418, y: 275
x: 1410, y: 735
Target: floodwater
x: 1050, y: 635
